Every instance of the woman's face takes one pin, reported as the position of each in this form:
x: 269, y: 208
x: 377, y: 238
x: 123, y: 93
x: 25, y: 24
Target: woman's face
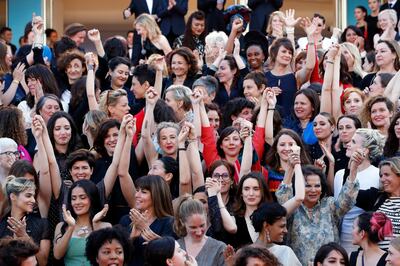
x: 49, y: 107
x: 384, y: 21
x: 397, y: 128
x: 357, y: 142
x: 356, y: 233
x: 284, y: 56
x: 168, y: 140
x: 278, y: 230
x: 348, y: 56
x: 179, y: 258
x: 9, y: 154
x: 323, y: 129
x: 8, y: 57
x: 277, y: 23
x: 313, y: 190
x: 255, y: 56
x: 179, y: 65
x: 25, y: 201
x: 213, y: 117
x: 284, y: 147
x: 170, y: 100
x: 251, y: 192
x: 301, y: 63
x: 80, y: 201
x: 393, y: 257
x: 376, y: 87
x: 351, y: 36
x: 389, y: 180
x: 334, y: 258
x: 74, y: 70
x: 120, y: 109
x: 231, y: 144
x: 157, y: 168
x: 383, y: 55
x: 250, y: 89
x: 196, y: 226
x: 62, y: 131
x: 359, y: 14
x: 110, y: 140
x: 346, y: 129
x: 81, y: 170
x: 302, y: 107
x: 111, y: 253
x: 32, y: 83
x: 141, y: 30
x: 119, y: 75
x: 198, y: 27
x: 225, y: 73
x: 353, y: 104
x: 143, y: 199
x: 221, y: 174
x: 373, y: 5
x: 380, y: 114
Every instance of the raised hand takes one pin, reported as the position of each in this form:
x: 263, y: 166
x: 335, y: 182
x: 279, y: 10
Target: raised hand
x: 89, y: 59
x: 19, y: 72
x: 237, y: 25
x: 67, y: 217
x: 333, y: 51
x: 308, y: 26
x: 229, y: 255
x: 138, y: 219
x: 271, y: 96
x: 149, y: 235
x: 183, y: 134
x: 197, y: 96
x: 94, y: 35
x: 158, y: 63
x: 101, y: 214
x: 18, y: 227
x: 38, y: 91
x: 327, y: 151
x: 37, y: 128
x: 192, y: 131
x: 289, y: 19
x: 356, y: 159
x: 151, y: 96
x: 213, y: 186
x: 236, y: 50
x: 131, y: 127
x: 37, y: 24
x: 294, y: 156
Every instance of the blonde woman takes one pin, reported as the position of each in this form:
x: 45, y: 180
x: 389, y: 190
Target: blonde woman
x: 152, y: 41
x: 353, y: 59
x: 276, y: 26
x: 387, y: 20
x: 114, y: 103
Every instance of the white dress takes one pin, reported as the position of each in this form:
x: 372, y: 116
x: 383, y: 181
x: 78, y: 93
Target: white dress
x: 367, y: 178
x: 285, y: 255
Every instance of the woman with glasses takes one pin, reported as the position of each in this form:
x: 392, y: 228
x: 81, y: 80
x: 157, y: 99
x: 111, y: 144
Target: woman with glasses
x: 8, y: 155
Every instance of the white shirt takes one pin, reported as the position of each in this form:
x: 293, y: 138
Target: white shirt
x: 150, y: 5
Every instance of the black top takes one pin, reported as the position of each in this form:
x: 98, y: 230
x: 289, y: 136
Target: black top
x: 354, y: 255
x: 37, y: 228
x: 372, y: 24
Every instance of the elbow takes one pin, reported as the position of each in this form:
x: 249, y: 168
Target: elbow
x: 299, y: 198
x: 57, y: 254
x: 231, y: 229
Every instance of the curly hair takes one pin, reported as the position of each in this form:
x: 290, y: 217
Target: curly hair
x: 188, y: 35
x: 189, y: 57
x: 255, y: 251
x: 65, y: 59
x: 12, y: 125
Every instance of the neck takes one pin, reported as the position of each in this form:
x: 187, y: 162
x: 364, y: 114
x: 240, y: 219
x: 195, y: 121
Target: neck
x: 364, y: 165
x: 369, y: 248
x: 327, y: 140
x: 17, y: 213
x: 309, y: 205
x: 61, y: 148
x: 181, y: 78
x: 228, y: 85
x: 231, y: 159
x: 250, y: 210
x: 383, y: 130
x: 225, y: 197
x: 374, y: 13
x: 280, y: 69
x: 115, y: 87
x: 284, y: 164
x: 71, y: 81
x: 395, y: 193
x: 191, y: 240
x: 304, y: 122
x: 387, y: 69
x: 83, y: 220
x: 180, y: 114
x: 277, y: 34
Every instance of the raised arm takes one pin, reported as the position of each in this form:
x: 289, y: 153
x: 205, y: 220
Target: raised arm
x: 194, y: 158
x: 214, y: 189
x: 292, y: 204
x: 246, y: 133
x: 185, y: 175
x: 53, y: 166
x: 236, y: 55
x: 269, y: 123
x: 94, y: 36
x: 290, y: 23
x: 18, y: 76
x: 90, y: 82
x: 111, y: 174
x: 150, y: 152
x: 125, y: 179
x: 237, y: 28
x: 336, y: 87
x: 42, y: 167
x: 304, y: 74
x: 326, y: 91
x: 392, y: 92
x: 61, y: 241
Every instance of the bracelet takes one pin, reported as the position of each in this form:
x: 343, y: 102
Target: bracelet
x: 15, y: 81
x: 329, y: 62
x: 270, y: 109
x: 181, y: 149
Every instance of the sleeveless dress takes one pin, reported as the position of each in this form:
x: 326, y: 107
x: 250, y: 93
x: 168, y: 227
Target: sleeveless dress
x: 75, y: 255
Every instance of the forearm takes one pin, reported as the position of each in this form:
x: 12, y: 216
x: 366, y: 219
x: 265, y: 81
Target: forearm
x: 195, y: 164
x: 158, y: 82
x: 197, y: 119
x: 61, y: 244
x: 326, y: 91
x: 336, y: 90
x: 185, y: 174
x: 230, y: 44
x: 53, y: 166
x: 247, y: 158
x: 43, y: 253
x: 269, y: 127
x: 239, y: 61
x: 90, y: 90
x: 8, y: 96
x: 227, y: 221
x: 45, y: 187
x: 99, y: 48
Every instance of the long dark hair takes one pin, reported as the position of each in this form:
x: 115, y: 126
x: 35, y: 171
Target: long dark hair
x: 75, y: 141
x: 92, y: 192
x: 272, y: 158
x: 239, y: 205
x: 392, y: 142
x: 376, y: 224
x: 98, y: 143
x: 188, y: 35
x: 324, y: 251
x: 224, y: 133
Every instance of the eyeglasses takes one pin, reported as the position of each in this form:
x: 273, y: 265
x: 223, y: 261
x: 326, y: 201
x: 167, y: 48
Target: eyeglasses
x: 9, y: 153
x: 224, y: 176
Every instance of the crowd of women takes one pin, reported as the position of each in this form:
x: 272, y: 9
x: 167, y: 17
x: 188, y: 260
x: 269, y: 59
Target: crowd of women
x: 217, y: 148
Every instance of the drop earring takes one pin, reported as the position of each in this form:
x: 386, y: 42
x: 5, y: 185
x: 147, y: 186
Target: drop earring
x: 267, y: 236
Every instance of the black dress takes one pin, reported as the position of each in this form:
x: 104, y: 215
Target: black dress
x: 354, y: 255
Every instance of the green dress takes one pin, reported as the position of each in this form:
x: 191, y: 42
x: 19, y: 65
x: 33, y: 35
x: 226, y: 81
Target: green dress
x: 75, y: 255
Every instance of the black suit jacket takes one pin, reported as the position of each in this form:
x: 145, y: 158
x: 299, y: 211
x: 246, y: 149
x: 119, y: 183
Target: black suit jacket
x: 173, y: 20
x: 214, y: 16
x: 261, y: 9
x: 138, y: 7
x: 396, y: 8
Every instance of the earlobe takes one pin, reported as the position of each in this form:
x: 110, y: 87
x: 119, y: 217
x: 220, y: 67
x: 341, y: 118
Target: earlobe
x: 169, y: 262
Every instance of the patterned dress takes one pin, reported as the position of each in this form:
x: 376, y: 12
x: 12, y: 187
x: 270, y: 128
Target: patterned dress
x: 309, y: 229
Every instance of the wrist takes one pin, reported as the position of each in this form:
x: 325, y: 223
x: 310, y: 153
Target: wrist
x: 289, y: 30
x: 16, y: 81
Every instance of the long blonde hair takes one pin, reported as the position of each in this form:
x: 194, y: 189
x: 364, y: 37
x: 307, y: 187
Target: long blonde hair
x: 357, y: 67
x: 149, y: 24
x: 271, y: 17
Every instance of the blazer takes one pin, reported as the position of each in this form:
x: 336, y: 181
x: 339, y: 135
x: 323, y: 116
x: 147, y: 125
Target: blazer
x: 261, y: 9
x: 138, y: 7
x: 214, y: 16
x: 173, y: 20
